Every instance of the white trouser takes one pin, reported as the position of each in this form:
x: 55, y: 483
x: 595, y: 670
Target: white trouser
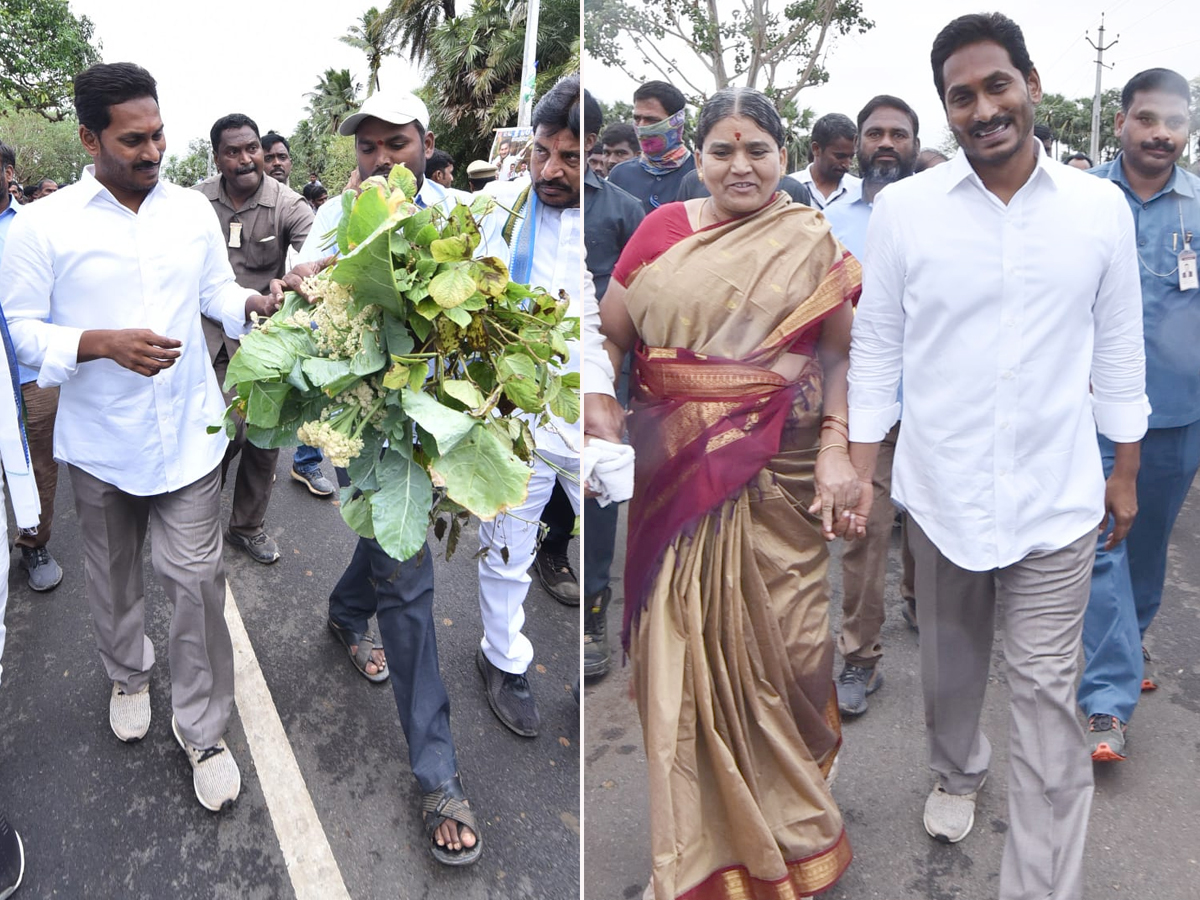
x: 3, y: 573
x: 503, y: 585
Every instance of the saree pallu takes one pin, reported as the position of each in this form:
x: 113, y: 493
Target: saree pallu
x: 732, y: 657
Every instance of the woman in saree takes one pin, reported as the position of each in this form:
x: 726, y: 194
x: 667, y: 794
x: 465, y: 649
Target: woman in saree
x: 739, y: 307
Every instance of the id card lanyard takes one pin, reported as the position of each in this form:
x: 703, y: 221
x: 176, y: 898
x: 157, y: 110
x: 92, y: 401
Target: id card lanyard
x: 1188, y: 280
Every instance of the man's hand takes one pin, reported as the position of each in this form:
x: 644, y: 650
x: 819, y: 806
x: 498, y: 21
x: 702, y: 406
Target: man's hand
x: 137, y: 349
x: 603, y: 418
x: 293, y: 279
x: 265, y: 306
x: 1120, y: 505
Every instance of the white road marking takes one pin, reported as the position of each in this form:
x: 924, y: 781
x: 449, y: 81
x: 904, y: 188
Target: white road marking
x: 314, y: 872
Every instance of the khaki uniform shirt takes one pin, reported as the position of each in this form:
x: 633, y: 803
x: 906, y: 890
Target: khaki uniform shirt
x: 272, y: 220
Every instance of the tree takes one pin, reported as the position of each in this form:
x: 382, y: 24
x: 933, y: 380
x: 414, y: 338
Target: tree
x: 42, y: 46
x: 776, y: 47
x: 1071, y: 122
x: 193, y: 167
x: 44, y: 148
x: 376, y: 37
x: 416, y: 21
x: 334, y: 98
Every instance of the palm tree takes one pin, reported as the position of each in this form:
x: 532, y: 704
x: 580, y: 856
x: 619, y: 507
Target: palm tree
x: 416, y: 21
x: 376, y: 37
x: 334, y: 98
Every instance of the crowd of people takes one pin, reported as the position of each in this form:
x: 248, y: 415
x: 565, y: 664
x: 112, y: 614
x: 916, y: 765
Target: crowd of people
x: 109, y: 375
x: 995, y: 348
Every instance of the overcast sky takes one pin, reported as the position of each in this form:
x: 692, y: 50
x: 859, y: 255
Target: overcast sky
x: 222, y: 56
x: 893, y: 58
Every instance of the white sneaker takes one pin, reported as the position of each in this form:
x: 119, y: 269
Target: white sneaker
x: 215, y: 775
x: 949, y: 817
x: 129, y: 714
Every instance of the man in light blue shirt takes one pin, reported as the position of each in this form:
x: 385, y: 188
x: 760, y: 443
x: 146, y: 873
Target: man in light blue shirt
x: 41, y: 407
x: 887, y: 151
x: 1127, y: 581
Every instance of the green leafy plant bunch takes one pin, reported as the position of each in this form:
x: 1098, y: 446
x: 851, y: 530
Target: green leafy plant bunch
x: 412, y: 363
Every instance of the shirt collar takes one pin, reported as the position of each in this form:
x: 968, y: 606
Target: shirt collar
x: 12, y: 209
x: 1178, y: 183
x: 258, y: 198
x: 591, y: 179
x: 959, y: 169
x: 88, y: 188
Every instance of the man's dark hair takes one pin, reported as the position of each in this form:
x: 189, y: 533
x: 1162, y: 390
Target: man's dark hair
x: 740, y: 101
x: 973, y: 29
x: 313, y: 190
x: 620, y: 133
x: 234, y: 121
x: 927, y: 156
x: 1087, y: 159
x: 438, y: 161
x: 664, y: 92
x: 271, y: 138
x: 104, y: 85
x: 889, y: 102
x: 7, y: 156
x: 1042, y: 132
x: 1155, y: 80
x: 478, y: 183
x: 41, y: 184
x: 559, y: 109
x: 831, y: 127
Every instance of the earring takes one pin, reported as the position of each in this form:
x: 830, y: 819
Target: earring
x: 700, y: 175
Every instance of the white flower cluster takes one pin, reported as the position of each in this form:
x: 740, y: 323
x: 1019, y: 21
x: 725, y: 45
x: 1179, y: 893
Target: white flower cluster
x: 364, y: 395
x: 340, y: 448
x: 338, y: 334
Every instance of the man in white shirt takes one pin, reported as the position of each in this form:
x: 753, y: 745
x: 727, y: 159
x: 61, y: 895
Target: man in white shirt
x: 543, y: 236
x: 831, y: 150
x: 124, y: 265
x: 999, y: 330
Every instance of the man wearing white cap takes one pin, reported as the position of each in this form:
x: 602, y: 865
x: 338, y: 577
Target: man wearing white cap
x: 390, y: 129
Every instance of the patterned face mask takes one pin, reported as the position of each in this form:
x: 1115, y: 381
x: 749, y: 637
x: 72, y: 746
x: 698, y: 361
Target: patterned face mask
x: 662, y: 144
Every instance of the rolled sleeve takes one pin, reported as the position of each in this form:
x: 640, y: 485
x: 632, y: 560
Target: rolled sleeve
x: 877, y: 336
x: 1119, y: 402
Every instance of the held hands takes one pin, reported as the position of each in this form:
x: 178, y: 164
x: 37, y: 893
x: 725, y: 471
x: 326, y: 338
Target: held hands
x: 843, y: 502
x: 262, y: 305
x: 293, y: 279
x: 603, y: 417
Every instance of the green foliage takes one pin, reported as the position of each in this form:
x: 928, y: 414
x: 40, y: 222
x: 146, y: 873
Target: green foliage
x: 411, y: 341
x: 1071, y: 122
x: 775, y: 46
x: 335, y: 97
x: 619, y: 111
x: 191, y: 167
x: 374, y: 35
x: 416, y: 21
x: 42, y: 47
x: 44, y: 148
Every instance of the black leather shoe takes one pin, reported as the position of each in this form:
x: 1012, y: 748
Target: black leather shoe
x: 509, y: 697
x: 596, y: 654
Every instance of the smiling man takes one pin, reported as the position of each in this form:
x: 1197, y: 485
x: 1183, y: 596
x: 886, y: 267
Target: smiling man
x: 1019, y: 338
x: 123, y: 265
x: 260, y: 219
x: 1127, y: 581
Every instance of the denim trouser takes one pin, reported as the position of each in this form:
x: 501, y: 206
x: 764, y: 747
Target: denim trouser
x: 306, y: 458
x: 1127, y: 581
x: 400, y: 596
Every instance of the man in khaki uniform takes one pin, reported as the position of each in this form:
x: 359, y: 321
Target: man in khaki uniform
x: 260, y: 219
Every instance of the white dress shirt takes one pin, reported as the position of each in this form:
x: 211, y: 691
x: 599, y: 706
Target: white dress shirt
x: 597, y: 374
x: 85, y: 261
x: 999, y: 317
x: 848, y: 190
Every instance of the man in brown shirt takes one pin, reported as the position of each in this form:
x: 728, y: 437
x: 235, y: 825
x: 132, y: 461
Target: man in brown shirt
x: 260, y: 219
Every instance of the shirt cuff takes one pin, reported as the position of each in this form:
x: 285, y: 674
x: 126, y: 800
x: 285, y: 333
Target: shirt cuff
x: 62, y: 356
x: 597, y: 379
x: 1124, y: 422
x: 233, y: 313
x: 870, y: 426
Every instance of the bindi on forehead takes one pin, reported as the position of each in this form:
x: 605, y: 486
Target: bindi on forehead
x: 737, y: 135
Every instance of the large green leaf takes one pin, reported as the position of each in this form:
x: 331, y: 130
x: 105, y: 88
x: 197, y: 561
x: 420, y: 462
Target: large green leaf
x: 271, y: 438
x: 267, y: 355
x: 357, y: 511
x: 370, y: 357
x: 368, y: 268
x: 566, y: 405
x: 400, y: 177
x: 482, y: 475
x: 362, y: 467
x: 465, y: 393
x: 447, y: 426
x: 331, y: 375
x: 343, y: 229
x: 452, y: 286
x: 491, y: 276
x: 266, y: 400
x: 370, y: 211
x: 452, y: 249
x: 396, y: 336
x: 400, y: 508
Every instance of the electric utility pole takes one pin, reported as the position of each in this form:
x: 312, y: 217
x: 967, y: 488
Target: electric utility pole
x: 1100, y: 48
x: 529, y: 65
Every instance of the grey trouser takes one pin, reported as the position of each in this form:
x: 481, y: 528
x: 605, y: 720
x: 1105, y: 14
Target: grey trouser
x: 256, y: 472
x: 864, y: 569
x: 1050, y: 774
x: 185, y: 549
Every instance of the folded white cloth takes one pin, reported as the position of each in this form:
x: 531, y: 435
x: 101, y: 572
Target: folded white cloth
x: 607, y: 470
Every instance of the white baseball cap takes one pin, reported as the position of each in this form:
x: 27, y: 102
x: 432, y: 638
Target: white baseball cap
x: 397, y: 107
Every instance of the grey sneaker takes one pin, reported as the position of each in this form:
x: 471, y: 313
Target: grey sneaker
x: 44, y: 572
x: 12, y: 859
x: 129, y: 714
x: 1106, y: 738
x: 557, y: 577
x: 949, y: 817
x: 596, y: 655
x: 318, y: 485
x: 509, y: 697
x: 215, y: 775
x: 854, y: 685
x: 261, y: 547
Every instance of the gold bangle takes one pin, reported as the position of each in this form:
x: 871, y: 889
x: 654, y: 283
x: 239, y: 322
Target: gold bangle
x: 845, y: 447
x: 833, y: 418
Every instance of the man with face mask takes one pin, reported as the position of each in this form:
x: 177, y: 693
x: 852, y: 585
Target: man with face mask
x: 655, y: 175
x: 1127, y: 580
x: 887, y: 151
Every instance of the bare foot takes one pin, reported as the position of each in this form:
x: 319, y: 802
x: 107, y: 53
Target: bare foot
x: 451, y: 836
x: 376, y: 664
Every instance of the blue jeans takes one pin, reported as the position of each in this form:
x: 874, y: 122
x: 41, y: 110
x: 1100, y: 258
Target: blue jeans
x: 1127, y: 581
x: 307, y: 458
x: 600, y: 523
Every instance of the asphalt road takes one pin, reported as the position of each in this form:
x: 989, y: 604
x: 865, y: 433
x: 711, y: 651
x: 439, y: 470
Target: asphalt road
x: 1144, y: 837
x: 103, y: 819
